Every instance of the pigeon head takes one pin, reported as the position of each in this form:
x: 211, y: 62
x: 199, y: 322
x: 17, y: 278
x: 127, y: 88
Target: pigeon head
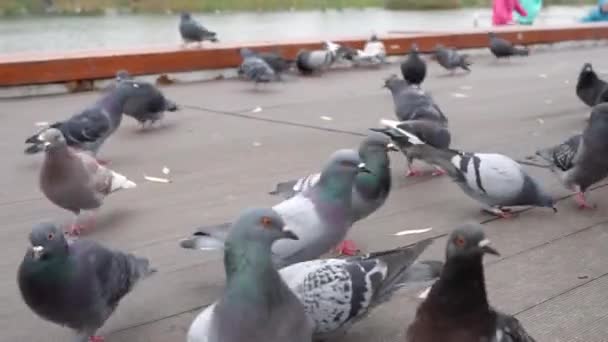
x: 262, y: 225
x: 52, y: 138
x: 47, y: 242
x: 344, y: 163
x: 373, y: 38
x: 394, y: 83
x: 185, y: 16
x: 122, y: 75
x: 468, y: 241
x: 414, y: 49
x: 587, y: 74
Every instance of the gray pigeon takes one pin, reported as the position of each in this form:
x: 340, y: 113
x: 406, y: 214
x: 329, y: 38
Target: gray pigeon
x: 578, y: 161
x: 77, y: 284
x: 256, y: 304
x: 192, y: 31
x: 370, y: 189
x: 590, y: 88
x: 147, y: 104
x: 74, y: 180
x: 450, y: 59
x: 413, y: 103
x: 502, y: 48
x: 320, y: 216
x: 494, y: 180
x: 433, y: 133
x: 457, y: 309
x: 255, y: 68
x: 413, y: 68
x: 315, y: 61
x: 89, y: 129
x: 337, y: 293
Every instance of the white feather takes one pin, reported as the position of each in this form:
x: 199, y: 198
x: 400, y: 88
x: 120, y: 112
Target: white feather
x: 199, y: 329
x: 393, y: 124
x: 121, y: 182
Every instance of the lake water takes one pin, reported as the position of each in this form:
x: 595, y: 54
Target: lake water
x: 37, y: 34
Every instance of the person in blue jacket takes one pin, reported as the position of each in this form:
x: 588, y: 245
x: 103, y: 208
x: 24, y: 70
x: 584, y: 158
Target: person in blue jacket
x: 598, y: 13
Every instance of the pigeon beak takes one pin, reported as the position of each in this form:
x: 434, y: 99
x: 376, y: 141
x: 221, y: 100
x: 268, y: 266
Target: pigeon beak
x: 554, y: 210
x: 363, y: 168
x: 392, y: 147
x: 37, y: 252
x: 288, y: 234
x: 486, y: 246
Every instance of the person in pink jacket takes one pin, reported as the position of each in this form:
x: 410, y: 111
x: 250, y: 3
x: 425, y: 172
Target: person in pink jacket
x: 502, y: 11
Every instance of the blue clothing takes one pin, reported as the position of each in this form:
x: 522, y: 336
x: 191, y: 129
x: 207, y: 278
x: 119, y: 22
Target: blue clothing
x: 596, y: 14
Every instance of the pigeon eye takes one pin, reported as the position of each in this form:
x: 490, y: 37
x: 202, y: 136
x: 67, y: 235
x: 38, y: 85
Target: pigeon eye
x: 266, y: 222
x: 459, y: 241
x: 50, y: 236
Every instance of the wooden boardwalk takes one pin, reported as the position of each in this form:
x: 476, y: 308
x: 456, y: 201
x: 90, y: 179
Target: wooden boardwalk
x: 553, y: 270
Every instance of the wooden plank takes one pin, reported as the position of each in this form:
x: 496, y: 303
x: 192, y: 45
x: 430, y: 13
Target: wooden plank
x: 25, y: 69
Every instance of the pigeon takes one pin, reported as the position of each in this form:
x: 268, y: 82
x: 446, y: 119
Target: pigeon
x: 502, y: 48
x: 77, y: 284
x: 278, y: 63
x: 370, y: 190
x: 433, y: 133
x: 255, y: 68
x: 590, y: 88
x: 373, y: 53
x: 89, y: 129
x: 309, y: 62
x: 494, y: 180
x: 413, y: 68
x: 578, y: 161
x: 413, y: 103
x: 192, y: 31
x: 450, y: 59
x: 320, y: 216
x: 336, y: 293
x: 256, y: 304
x: 456, y: 308
x: 73, y: 180
x: 147, y: 103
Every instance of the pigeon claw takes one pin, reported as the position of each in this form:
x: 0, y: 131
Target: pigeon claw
x: 439, y: 172
x: 582, y: 202
x: 96, y: 339
x: 348, y: 248
x: 413, y: 173
x: 104, y: 162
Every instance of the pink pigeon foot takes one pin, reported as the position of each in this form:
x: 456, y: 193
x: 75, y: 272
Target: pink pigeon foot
x: 439, y: 172
x: 77, y: 228
x: 347, y: 247
x: 504, y: 213
x: 104, y: 162
x: 96, y: 339
x: 582, y: 202
x: 413, y: 173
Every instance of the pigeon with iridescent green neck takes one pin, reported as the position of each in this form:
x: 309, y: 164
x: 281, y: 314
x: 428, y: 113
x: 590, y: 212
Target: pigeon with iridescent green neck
x: 256, y: 304
x: 321, y: 216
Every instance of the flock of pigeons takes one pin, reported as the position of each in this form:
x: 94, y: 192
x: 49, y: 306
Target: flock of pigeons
x: 277, y: 287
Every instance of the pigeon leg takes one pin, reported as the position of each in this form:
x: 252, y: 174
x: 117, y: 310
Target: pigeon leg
x: 96, y: 339
x: 582, y: 201
x: 439, y: 171
x: 410, y: 167
x: 104, y: 162
x: 347, y: 247
x: 504, y: 213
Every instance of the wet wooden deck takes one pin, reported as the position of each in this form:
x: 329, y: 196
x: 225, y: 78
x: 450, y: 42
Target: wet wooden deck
x: 553, y: 272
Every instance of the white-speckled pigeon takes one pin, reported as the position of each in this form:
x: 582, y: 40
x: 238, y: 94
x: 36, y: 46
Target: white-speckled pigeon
x: 77, y: 284
x: 578, y: 161
x: 74, y: 180
x: 413, y: 68
x: 502, y: 48
x: 457, y: 309
x: 147, y: 104
x: 370, y: 190
x: 337, y: 293
x: 494, y: 180
x: 590, y: 88
x: 320, y: 216
x: 255, y: 68
x: 450, y: 59
x: 192, y: 31
x: 256, y: 304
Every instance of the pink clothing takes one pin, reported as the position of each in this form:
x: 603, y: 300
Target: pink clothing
x: 502, y: 11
